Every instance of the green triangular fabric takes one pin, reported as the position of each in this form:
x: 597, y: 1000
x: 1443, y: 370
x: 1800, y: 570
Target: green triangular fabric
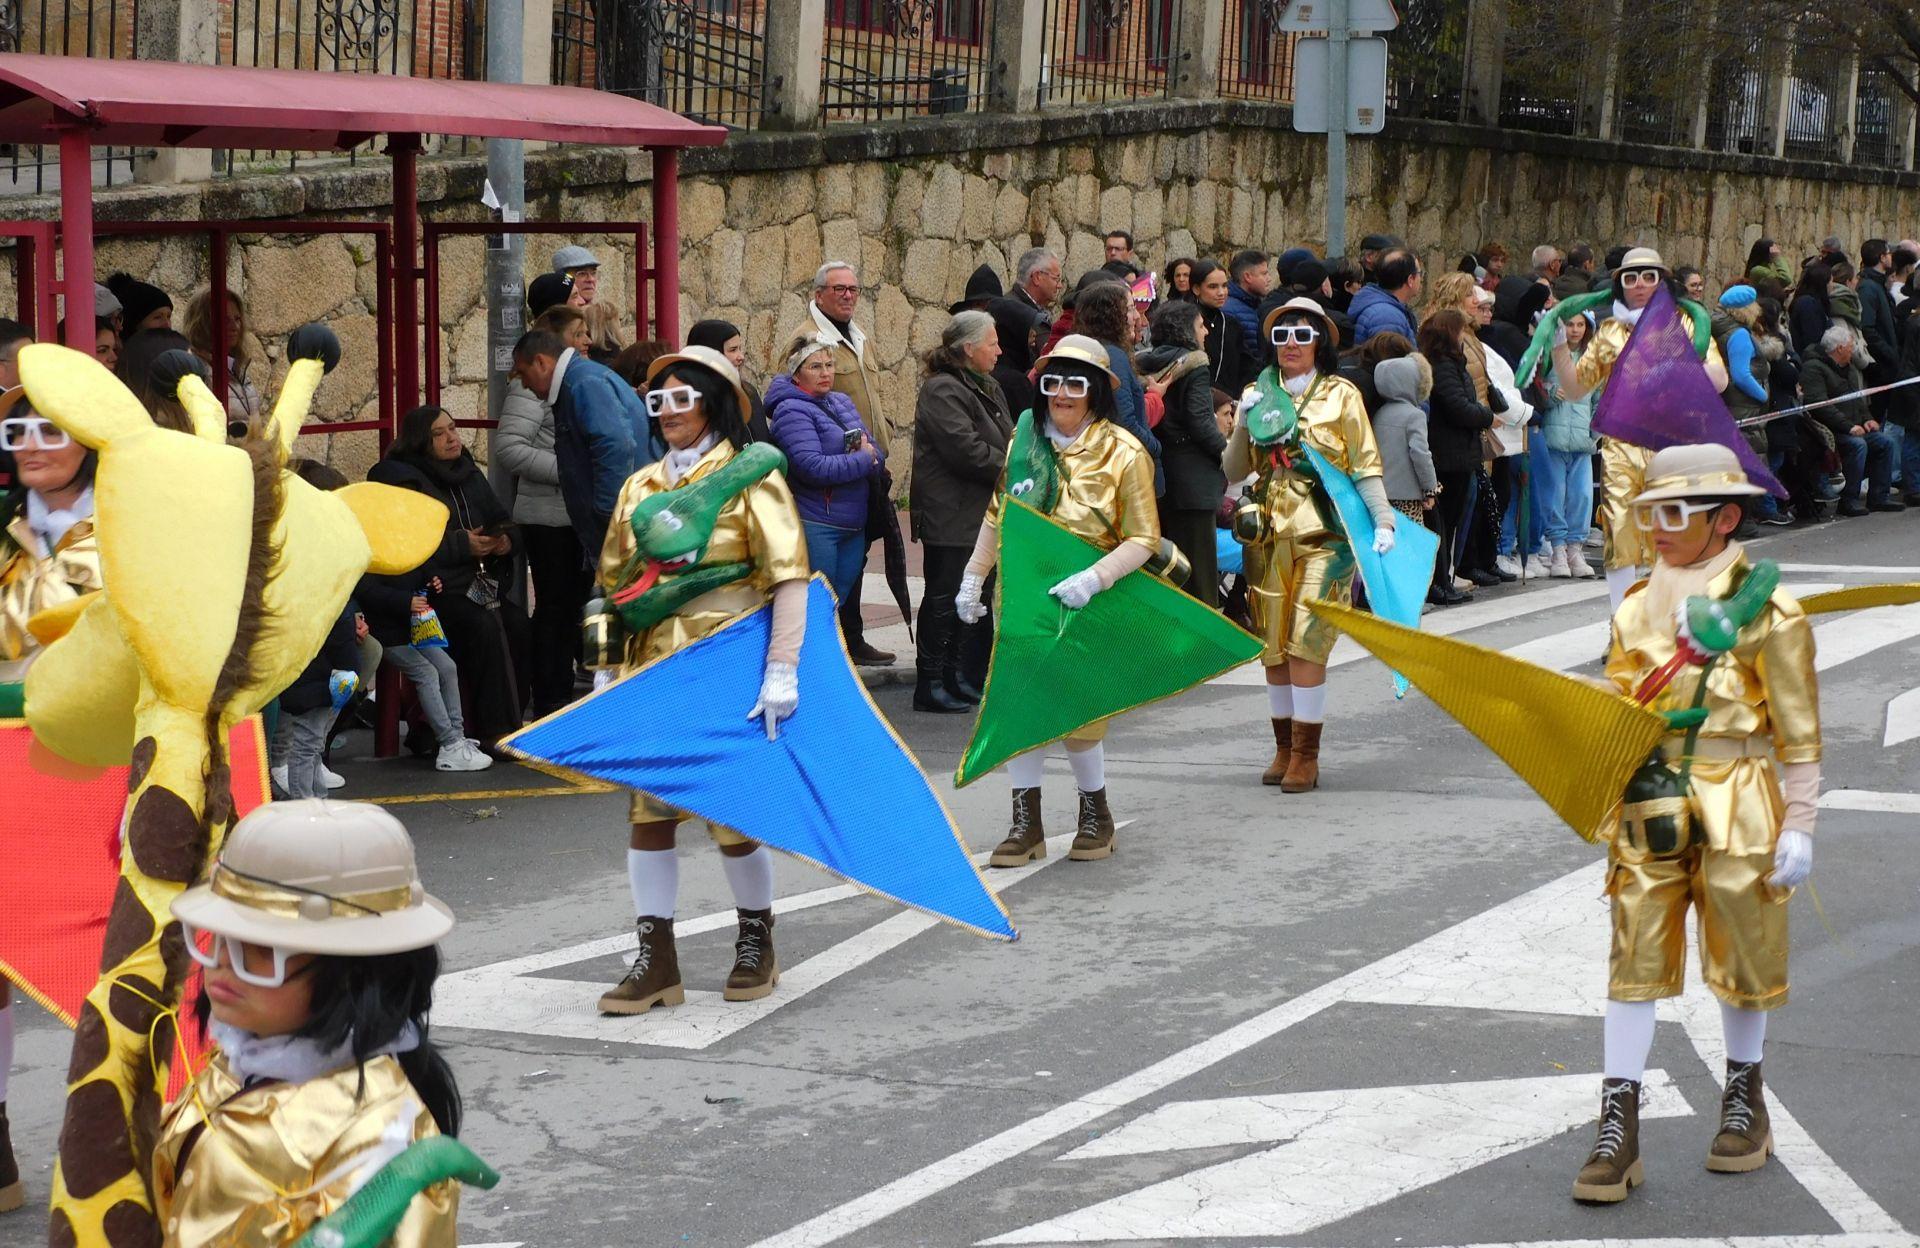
x: 1056, y: 670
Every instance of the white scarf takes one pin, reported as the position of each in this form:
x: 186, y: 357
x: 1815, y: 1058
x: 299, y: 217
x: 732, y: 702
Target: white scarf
x: 1670, y: 586
x: 679, y: 463
x: 1297, y: 386
x: 293, y: 1059
x: 1631, y: 316
x: 50, y: 524
x: 1060, y: 440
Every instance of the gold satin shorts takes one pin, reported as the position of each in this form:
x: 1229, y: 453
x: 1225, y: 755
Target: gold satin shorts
x: 645, y: 808
x: 1742, y: 921
x: 1283, y: 577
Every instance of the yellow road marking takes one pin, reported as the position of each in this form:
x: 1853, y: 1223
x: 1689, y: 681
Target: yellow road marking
x: 490, y: 795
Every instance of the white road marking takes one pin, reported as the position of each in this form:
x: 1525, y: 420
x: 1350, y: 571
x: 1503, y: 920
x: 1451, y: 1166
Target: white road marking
x: 1541, y: 952
x: 1903, y: 719
x: 1341, y: 1151
x: 512, y: 996
x: 1849, y: 569
x: 1870, y: 800
x: 1860, y: 633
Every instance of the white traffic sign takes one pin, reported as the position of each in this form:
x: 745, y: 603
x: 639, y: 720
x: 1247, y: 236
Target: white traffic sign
x: 1309, y: 17
x: 1340, y: 1153
x: 1366, y: 86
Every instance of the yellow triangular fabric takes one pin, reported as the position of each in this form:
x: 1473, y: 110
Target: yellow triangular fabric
x: 1573, y: 743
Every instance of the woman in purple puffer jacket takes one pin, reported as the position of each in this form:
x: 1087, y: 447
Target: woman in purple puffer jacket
x: 831, y: 461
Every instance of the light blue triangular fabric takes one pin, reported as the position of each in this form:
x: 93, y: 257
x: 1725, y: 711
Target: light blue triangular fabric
x: 837, y: 788
x: 1397, y: 581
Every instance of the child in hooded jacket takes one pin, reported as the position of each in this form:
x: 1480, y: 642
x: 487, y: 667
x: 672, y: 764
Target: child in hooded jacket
x: 1400, y: 427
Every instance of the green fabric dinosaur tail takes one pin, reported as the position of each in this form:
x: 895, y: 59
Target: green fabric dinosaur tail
x: 372, y: 1214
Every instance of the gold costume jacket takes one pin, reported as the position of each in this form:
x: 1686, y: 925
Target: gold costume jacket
x: 1333, y: 421
x: 760, y: 526
x: 1763, y: 693
x: 268, y: 1162
x: 30, y: 583
x: 1106, y: 489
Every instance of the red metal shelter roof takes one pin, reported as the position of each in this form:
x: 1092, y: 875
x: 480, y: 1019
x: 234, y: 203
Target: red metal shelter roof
x: 167, y: 104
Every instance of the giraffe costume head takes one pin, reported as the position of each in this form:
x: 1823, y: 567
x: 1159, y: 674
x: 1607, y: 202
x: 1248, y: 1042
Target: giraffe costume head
x: 223, y: 573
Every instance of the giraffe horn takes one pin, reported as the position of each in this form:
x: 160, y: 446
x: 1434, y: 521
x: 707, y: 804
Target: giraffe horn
x: 296, y: 400
x: 208, y: 413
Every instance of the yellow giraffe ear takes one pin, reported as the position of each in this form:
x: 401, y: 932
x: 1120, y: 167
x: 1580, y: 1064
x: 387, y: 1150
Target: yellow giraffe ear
x: 82, y: 689
x: 208, y: 413
x: 403, y: 527
x: 76, y: 392
x: 296, y: 400
x: 56, y: 622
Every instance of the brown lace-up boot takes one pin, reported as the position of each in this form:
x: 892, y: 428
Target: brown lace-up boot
x: 755, y: 968
x: 1026, y: 837
x: 1093, y: 839
x: 11, y: 1194
x: 1303, y: 769
x: 1613, y: 1168
x: 1282, y: 752
x: 1746, y: 1135
x: 654, y: 977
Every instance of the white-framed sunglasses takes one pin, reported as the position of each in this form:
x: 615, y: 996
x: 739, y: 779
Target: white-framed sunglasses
x: 678, y: 400
x: 17, y: 433
x: 1671, y: 515
x: 1295, y: 335
x: 1640, y: 277
x: 245, y: 958
x: 1072, y: 387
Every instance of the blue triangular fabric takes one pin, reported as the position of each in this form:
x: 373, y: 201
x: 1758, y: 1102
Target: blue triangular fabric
x: 837, y: 788
x: 1396, y: 581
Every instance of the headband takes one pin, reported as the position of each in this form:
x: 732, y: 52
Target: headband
x: 808, y: 348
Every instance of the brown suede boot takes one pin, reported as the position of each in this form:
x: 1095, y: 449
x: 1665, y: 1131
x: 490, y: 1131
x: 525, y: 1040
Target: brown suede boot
x: 1094, y: 839
x: 1026, y: 837
x: 12, y: 1196
x: 1282, y: 752
x: 755, y: 968
x: 654, y: 978
x: 1613, y: 1168
x: 1746, y: 1135
x: 1303, y: 769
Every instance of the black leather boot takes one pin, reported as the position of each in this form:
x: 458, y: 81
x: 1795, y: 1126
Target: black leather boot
x: 930, y: 694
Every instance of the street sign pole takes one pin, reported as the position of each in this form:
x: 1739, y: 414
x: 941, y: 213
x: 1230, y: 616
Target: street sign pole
x: 1338, y: 110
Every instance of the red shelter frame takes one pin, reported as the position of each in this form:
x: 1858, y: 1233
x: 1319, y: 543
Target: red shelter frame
x: 78, y: 103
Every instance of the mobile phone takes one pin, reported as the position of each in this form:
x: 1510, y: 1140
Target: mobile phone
x: 853, y: 439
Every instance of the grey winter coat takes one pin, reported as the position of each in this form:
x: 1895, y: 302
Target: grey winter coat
x: 1400, y: 428
x: 524, y: 445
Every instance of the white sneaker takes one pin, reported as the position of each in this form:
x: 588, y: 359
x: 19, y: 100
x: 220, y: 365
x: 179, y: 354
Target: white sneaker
x: 462, y: 757
x: 1538, y: 568
x: 1507, y: 564
x: 333, y: 778
x: 279, y: 775
x: 1559, y: 568
x: 1577, y: 564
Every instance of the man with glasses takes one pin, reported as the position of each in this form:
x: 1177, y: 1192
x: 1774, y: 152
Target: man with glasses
x: 582, y: 268
x: 836, y: 293
x: 601, y: 434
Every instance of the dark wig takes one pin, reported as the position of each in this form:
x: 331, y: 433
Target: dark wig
x: 365, y: 1003
x: 1671, y: 282
x: 1100, y: 404
x: 1326, y: 356
x: 724, y: 416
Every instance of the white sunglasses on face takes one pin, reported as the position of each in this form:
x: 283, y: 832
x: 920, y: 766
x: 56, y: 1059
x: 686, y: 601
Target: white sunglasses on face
x: 1671, y: 515
x: 1640, y: 277
x: 1072, y: 387
x: 239, y: 954
x: 676, y: 399
x: 1295, y: 335
x: 17, y: 433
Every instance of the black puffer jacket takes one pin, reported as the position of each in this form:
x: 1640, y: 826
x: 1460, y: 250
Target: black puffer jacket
x: 1455, y: 417
x: 471, y: 504
x: 1190, y: 441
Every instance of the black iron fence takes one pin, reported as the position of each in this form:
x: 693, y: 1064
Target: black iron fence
x: 1100, y: 50
x: 888, y: 59
x: 1256, y: 56
x: 703, y: 58
x: 1427, y: 59
x: 103, y: 28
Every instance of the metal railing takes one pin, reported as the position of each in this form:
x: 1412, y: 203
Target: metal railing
x: 1426, y: 60
x: 1256, y: 56
x: 703, y: 58
x: 103, y: 28
x: 1100, y: 50
x: 889, y: 59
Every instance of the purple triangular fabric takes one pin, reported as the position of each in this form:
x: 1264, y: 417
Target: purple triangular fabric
x: 1659, y: 394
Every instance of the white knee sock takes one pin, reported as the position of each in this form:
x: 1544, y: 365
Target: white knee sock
x: 1745, y: 1032
x: 654, y: 875
x: 1619, y: 581
x: 1024, y: 771
x: 1629, y: 1038
x: 1310, y: 705
x: 6, y: 1048
x: 1280, y: 701
x: 751, y: 878
x: 1089, y: 767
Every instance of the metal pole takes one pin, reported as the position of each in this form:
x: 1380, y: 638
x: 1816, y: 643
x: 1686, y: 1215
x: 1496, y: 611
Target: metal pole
x: 666, y: 245
x: 1337, y: 116
x: 76, y: 239
x: 507, y: 174
x: 405, y: 149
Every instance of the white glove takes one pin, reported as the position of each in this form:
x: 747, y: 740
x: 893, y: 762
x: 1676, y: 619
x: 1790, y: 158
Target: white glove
x: 1078, y: 590
x: 1383, y: 540
x: 1249, y: 399
x: 966, y: 603
x: 604, y: 676
x: 779, y: 695
x: 1559, y: 333
x: 1792, y: 859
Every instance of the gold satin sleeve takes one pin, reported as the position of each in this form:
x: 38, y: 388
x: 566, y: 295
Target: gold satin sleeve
x: 774, y: 535
x: 621, y: 543
x: 1139, y: 518
x: 1785, y: 667
x: 1595, y: 364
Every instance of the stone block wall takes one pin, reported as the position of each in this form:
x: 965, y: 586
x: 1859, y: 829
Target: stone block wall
x: 916, y: 206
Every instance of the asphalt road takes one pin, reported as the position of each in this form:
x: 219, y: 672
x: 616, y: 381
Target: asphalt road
x: 1364, y: 1017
